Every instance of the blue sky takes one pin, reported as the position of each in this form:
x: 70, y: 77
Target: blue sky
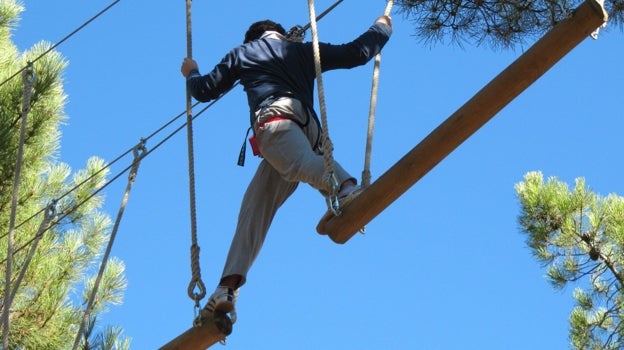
x: 444, y: 267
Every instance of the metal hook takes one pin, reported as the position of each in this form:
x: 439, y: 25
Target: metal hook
x: 140, y: 150
x: 296, y: 33
x: 50, y: 210
x: 28, y: 74
x: 333, y: 202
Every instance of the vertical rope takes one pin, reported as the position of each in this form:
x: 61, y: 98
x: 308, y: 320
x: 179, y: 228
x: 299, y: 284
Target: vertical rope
x: 29, y: 78
x: 139, y: 152
x: 328, y: 147
x: 196, y: 282
x: 49, y: 214
x: 366, y: 174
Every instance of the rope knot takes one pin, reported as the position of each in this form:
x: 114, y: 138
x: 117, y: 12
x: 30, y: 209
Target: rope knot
x: 196, y: 281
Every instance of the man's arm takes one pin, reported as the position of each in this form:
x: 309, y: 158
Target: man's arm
x: 208, y: 87
x: 359, y: 51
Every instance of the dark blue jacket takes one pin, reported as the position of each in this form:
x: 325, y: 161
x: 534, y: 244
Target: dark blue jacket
x: 269, y: 67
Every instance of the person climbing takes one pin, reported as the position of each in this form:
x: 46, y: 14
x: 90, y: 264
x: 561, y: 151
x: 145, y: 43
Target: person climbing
x: 278, y: 77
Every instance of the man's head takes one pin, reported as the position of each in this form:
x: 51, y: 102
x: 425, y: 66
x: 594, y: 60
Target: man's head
x: 256, y: 30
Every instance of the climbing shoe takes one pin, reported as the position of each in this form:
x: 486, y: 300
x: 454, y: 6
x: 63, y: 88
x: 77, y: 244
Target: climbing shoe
x: 349, y: 196
x: 223, y: 299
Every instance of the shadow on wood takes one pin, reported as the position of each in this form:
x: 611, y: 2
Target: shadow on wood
x: 516, y: 78
x: 213, y: 328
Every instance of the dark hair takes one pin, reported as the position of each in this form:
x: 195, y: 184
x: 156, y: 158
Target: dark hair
x: 256, y: 29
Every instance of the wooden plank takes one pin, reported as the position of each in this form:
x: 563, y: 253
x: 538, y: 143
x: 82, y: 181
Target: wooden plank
x: 213, y: 328
x: 465, y: 121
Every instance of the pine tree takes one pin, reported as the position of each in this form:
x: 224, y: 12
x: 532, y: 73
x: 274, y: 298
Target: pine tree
x: 47, y: 307
x: 498, y: 23
x: 579, y: 236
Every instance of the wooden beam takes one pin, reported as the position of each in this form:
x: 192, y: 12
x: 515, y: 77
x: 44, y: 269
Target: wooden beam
x: 465, y: 121
x: 213, y: 328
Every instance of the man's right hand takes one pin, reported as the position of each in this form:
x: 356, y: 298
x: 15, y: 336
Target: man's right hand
x: 385, y: 20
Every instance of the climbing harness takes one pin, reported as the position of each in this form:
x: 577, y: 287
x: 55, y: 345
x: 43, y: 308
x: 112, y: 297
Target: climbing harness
x: 139, y: 152
x: 28, y: 76
x: 196, y: 289
x: 296, y: 34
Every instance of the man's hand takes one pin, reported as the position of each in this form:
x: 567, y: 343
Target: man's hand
x: 188, y: 65
x: 385, y: 20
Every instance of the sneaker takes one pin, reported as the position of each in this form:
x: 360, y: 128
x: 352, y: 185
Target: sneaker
x: 349, y: 195
x: 223, y: 299
x: 347, y: 188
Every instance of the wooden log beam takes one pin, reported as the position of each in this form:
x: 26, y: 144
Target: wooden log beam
x: 212, y: 329
x: 465, y: 121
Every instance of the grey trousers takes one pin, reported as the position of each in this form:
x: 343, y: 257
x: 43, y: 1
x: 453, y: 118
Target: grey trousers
x: 289, y: 158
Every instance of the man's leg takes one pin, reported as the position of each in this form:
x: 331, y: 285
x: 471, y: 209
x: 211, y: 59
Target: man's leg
x: 266, y: 192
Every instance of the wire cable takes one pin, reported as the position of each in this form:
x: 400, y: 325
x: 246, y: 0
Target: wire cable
x: 62, y: 216
x: 69, y: 211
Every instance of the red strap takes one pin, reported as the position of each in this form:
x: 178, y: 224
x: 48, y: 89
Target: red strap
x: 270, y: 120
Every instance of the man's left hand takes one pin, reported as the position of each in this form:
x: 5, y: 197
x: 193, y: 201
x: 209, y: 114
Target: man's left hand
x: 188, y: 65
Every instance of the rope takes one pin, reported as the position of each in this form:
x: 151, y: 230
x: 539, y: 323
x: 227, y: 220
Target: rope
x: 139, y: 152
x: 65, y: 213
x: 366, y: 174
x: 49, y: 214
x: 28, y: 76
x: 196, y: 281
x: 328, y: 147
x: 128, y: 151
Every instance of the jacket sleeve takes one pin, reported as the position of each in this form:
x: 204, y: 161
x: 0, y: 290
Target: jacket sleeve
x: 358, y: 52
x: 208, y: 87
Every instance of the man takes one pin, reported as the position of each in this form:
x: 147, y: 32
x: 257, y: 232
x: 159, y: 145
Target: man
x: 278, y: 76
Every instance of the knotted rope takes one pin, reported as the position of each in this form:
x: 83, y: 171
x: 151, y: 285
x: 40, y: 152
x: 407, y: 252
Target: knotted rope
x: 327, y: 146
x: 196, y: 281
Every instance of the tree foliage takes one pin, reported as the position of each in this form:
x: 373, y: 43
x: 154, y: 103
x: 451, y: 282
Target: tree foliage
x: 57, y: 261
x: 498, y: 23
x: 579, y: 236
